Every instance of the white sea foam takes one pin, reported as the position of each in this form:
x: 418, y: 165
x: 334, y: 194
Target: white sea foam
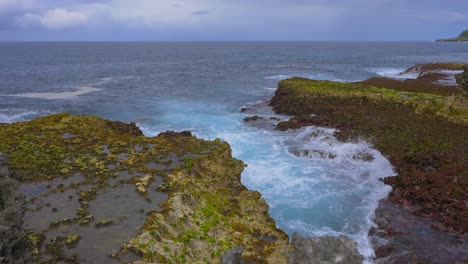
x: 400, y: 73
x: 317, y: 195
x: 314, y: 195
x: 18, y: 115
x: 79, y: 91
x: 395, y: 73
x: 58, y: 95
x: 314, y: 76
x: 279, y: 77
x: 111, y: 79
x: 449, y: 72
x: 4, y: 118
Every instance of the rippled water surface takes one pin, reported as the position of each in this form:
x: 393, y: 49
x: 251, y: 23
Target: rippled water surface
x: 314, y: 184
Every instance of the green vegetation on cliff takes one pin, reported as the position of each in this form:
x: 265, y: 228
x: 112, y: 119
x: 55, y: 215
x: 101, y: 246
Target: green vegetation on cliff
x: 462, y: 37
x: 423, y: 134
x: 464, y: 34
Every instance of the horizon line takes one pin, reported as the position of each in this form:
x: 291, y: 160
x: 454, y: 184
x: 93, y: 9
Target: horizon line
x: 213, y: 41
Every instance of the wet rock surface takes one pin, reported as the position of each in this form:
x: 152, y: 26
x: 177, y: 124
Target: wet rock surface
x: 324, y: 250
x: 14, y: 247
x: 402, y: 237
x: 233, y: 256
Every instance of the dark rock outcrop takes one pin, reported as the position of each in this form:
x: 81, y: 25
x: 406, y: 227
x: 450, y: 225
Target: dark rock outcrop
x: 462, y: 79
x: 324, y: 250
x: 252, y: 118
x: 233, y: 256
x: 13, y: 245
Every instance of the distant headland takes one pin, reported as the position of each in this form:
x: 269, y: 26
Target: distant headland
x: 462, y: 37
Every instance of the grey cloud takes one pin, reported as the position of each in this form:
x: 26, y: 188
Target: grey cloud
x: 201, y: 12
x: 240, y: 19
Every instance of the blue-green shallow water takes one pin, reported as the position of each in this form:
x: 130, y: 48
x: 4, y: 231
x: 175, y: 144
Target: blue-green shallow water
x: 201, y: 86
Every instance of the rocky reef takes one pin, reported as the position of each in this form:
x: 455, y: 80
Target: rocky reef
x: 433, y: 78
x: 98, y: 191
x: 420, y: 129
x: 462, y: 37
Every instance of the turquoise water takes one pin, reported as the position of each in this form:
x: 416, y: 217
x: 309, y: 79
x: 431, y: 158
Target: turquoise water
x: 314, y: 184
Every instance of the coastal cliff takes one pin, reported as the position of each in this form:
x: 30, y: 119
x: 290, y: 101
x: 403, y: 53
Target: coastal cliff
x: 98, y: 191
x: 421, y: 129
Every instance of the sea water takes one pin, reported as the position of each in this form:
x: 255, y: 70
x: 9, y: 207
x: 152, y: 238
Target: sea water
x: 314, y: 184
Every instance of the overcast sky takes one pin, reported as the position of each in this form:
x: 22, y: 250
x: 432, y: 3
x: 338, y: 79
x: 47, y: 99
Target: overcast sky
x: 232, y: 19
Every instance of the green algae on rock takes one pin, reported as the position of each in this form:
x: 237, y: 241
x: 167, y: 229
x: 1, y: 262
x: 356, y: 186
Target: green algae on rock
x: 295, y: 95
x: 71, y: 162
x: 208, y: 213
x: 72, y: 239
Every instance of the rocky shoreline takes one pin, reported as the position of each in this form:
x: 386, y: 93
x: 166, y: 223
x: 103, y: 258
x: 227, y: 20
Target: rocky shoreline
x: 420, y: 125
x: 98, y: 191
x: 81, y: 189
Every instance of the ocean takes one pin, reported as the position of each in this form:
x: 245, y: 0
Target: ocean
x: 310, y: 180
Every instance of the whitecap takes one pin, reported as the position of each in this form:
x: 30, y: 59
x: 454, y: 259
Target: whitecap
x: 313, y: 76
x: 395, y: 73
x: 58, y: 95
x: 18, y: 115
x: 111, y: 79
x: 278, y: 77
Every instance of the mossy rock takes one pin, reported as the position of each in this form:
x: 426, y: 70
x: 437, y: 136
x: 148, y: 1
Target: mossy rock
x: 295, y: 95
x: 72, y: 240
x: 208, y: 211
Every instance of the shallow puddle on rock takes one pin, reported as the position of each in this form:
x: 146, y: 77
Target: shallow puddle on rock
x: 122, y: 204
x: 124, y: 201
x: 66, y: 182
x: 123, y: 176
x: 49, y: 208
x: 97, y: 244
x: 34, y: 189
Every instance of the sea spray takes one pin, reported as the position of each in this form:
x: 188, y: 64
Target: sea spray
x: 314, y: 184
